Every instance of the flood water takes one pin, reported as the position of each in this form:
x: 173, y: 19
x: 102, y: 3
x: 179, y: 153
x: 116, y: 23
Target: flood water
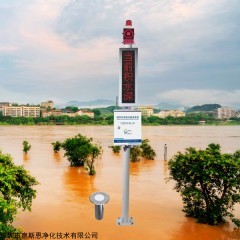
x: 62, y: 204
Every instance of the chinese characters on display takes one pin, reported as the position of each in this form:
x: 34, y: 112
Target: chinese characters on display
x: 128, y: 76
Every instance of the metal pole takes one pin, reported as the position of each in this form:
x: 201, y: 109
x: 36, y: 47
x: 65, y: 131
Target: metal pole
x: 165, y: 152
x: 125, y: 207
x: 125, y: 220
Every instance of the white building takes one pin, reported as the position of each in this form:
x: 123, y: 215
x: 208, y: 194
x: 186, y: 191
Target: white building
x: 147, y: 111
x: 31, y: 111
x: 58, y: 112
x: 226, y: 113
x: 21, y: 111
x: 86, y: 113
x: 172, y: 113
x: 48, y: 104
x: 2, y: 104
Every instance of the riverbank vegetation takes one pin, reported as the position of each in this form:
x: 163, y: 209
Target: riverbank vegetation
x: 209, y: 183
x: 16, y: 193
x: 107, y: 119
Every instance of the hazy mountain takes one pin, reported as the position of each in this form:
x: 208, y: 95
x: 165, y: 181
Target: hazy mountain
x: 167, y: 106
x: 91, y: 104
x: 205, y: 108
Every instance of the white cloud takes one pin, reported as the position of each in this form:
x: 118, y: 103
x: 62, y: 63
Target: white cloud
x: 8, y: 48
x: 58, y: 47
x: 190, y: 97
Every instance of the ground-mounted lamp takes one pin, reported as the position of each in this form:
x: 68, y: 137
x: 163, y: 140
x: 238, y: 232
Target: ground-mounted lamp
x: 99, y: 199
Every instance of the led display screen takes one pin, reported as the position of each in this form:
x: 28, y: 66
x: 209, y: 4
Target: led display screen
x: 128, y: 76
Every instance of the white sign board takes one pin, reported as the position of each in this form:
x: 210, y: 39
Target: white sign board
x: 127, y: 127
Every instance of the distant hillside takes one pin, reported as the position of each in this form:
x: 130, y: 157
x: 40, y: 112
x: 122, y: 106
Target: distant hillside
x: 204, y: 108
x: 91, y: 104
x: 167, y: 106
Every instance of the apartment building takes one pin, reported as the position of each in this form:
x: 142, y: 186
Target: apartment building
x: 225, y: 113
x: 85, y: 113
x: 21, y: 111
x: 2, y: 104
x: 48, y: 104
x: 54, y: 113
x: 69, y: 113
x: 7, y: 104
x: 172, y: 113
x: 31, y: 111
x: 147, y: 111
x: 12, y: 111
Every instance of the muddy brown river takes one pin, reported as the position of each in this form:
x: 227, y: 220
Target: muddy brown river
x: 62, y: 204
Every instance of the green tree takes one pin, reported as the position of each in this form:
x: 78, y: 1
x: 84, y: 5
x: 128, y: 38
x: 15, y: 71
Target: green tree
x: 96, y: 112
x: 144, y: 150
x: 147, y: 151
x: 16, y: 192
x: 95, y: 151
x: 56, y: 146
x: 72, y: 108
x: 209, y: 183
x: 115, y: 149
x: 26, y: 146
x: 81, y: 151
x: 110, y: 119
x: 135, y: 154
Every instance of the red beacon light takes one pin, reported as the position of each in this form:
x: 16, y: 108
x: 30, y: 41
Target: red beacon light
x: 128, y: 33
x: 129, y: 23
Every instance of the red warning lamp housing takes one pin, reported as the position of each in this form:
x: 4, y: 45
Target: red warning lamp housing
x: 128, y: 33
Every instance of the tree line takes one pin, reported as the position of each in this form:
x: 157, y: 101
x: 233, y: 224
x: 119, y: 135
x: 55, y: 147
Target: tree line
x: 189, y: 119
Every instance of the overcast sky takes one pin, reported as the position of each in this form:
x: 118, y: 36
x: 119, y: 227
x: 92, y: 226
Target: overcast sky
x: 62, y: 50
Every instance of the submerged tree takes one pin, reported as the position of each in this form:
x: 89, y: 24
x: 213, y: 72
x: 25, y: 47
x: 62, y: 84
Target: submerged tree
x: 209, y: 183
x: 135, y: 154
x: 115, y: 149
x: 16, y: 192
x: 81, y: 151
x: 26, y: 146
x: 147, y: 151
x: 144, y: 150
x: 56, y: 146
x: 95, y: 151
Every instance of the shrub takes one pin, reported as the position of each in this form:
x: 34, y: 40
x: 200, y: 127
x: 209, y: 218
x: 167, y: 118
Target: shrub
x: 16, y: 192
x: 26, y: 146
x: 56, y: 146
x: 115, y: 149
x: 144, y: 150
x: 209, y: 183
x: 147, y: 151
x: 135, y: 154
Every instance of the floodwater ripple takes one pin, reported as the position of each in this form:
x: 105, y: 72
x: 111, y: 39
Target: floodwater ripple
x: 62, y: 203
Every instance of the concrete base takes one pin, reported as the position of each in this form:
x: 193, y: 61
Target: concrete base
x: 122, y: 222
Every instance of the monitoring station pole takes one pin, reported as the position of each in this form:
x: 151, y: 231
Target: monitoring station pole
x: 127, y: 122
x: 125, y: 220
